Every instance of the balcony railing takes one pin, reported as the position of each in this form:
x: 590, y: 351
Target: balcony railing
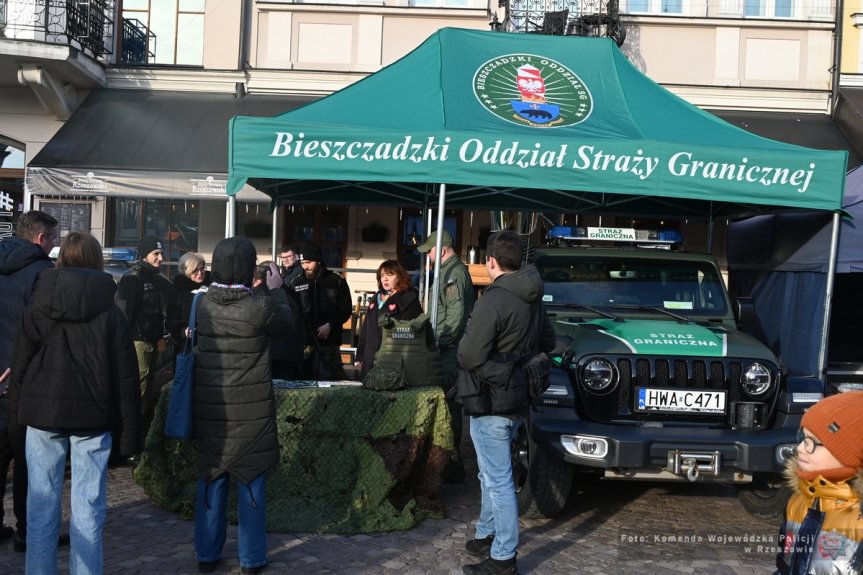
x: 137, y: 42
x: 562, y: 17
x: 86, y: 25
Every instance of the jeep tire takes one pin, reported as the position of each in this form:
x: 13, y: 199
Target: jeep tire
x: 765, y: 497
x: 542, y: 483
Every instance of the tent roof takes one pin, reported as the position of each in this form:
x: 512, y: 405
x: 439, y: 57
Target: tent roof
x: 800, y: 242
x: 524, y: 121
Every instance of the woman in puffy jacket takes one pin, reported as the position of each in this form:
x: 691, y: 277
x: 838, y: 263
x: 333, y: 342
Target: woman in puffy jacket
x: 235, y: 410
x: 75, y: 386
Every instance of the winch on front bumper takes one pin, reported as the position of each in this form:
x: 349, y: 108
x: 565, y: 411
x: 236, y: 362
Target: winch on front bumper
x: 664, y: 451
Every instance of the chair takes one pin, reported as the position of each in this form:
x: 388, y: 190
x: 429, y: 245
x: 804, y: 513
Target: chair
x: 553, y: 23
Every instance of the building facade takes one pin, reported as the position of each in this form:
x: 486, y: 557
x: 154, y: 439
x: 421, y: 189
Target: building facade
x: 117, y: 110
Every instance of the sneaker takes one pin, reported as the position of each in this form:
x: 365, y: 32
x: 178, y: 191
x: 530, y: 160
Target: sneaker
x: 489, y: 566
x: 253, y: 570
x: 479, y: 547
x: 208, y: 566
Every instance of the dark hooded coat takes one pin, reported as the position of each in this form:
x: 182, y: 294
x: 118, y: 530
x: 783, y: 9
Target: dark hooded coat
x: 74, y: 365
x: 20, y: 263
x: 235, y: 409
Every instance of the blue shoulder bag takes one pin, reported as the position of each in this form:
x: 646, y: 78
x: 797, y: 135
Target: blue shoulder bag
x: 180, y: 421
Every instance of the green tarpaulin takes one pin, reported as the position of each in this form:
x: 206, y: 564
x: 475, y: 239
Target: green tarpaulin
x: 523, y: 121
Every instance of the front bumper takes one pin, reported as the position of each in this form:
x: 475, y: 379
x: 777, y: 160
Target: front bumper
x: 639, y: 448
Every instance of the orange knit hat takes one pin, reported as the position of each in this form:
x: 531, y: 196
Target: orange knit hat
x: 837, y: 422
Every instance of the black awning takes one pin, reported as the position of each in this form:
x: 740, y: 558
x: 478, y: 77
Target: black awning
x: 810, y: 130
x: 147, y: 143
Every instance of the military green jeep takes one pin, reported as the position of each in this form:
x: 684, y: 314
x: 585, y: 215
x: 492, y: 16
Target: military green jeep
x: 653, y: 381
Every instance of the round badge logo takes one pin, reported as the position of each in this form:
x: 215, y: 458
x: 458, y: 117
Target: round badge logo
x: 531, y: 90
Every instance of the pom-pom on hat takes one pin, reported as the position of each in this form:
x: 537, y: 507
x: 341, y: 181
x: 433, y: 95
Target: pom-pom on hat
x: 837, y: 422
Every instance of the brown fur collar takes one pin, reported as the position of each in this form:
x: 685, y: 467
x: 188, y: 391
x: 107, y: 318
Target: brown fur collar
x: 792, y: 480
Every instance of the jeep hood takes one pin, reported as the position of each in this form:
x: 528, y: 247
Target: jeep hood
x: 661, y: 337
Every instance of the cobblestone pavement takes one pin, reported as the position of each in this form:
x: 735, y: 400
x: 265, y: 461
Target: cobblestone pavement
x: 608, y: 527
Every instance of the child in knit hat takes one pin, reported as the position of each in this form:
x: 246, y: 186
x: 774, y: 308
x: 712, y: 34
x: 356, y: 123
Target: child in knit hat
x: 823, y: 525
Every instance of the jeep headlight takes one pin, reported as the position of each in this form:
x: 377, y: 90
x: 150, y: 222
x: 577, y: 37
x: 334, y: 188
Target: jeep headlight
x: 598, y: 374
x: 756, y: 379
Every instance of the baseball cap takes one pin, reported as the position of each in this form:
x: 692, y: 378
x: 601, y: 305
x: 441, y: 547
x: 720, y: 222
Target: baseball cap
x: 431, y: 241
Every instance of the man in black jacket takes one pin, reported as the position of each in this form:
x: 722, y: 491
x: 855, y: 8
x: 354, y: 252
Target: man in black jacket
x: 142, y: 296
x: 291, y: 267
x: 507, y: 322
x: 325, y: 299
x: 22, y: 258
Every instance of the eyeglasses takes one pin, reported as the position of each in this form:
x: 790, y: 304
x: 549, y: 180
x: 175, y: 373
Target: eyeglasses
x: 198, y: 270
x: 810, y: 444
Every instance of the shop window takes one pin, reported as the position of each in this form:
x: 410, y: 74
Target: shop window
x: 11, y: 188
x: 411, y: 235
x: 323, y: 225
x: 175, y: 222
x: 254, y: 221
x: 70, y: 216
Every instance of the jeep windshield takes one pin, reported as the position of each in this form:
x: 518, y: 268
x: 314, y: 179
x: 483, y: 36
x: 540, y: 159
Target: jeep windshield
x: 686, y: 288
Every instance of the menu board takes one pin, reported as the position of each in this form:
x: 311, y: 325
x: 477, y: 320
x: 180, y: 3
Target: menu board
x: 71, y: 217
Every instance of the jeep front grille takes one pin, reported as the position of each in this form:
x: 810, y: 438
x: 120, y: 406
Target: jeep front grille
x: 670, y: 373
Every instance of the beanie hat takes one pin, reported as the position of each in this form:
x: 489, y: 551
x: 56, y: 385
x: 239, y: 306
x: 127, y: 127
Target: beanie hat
x: 149, y: 244
x: 310, y: 253
x: 837, y: 422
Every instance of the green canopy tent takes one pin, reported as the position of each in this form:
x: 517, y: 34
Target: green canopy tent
x: 524, y: 122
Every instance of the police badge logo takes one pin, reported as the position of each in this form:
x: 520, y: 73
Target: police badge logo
x: 532, y: 91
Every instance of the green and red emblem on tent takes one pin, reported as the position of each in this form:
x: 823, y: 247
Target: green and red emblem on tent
x: 532, y: 90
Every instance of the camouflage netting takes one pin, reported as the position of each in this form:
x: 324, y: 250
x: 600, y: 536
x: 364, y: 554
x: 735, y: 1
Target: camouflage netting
x: 352, y: 461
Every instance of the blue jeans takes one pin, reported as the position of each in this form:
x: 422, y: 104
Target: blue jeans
x: 498, y: 514
x: 210, y: 520
x: 46, y: 463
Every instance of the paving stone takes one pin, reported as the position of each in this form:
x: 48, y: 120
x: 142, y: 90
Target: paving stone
x: 585, y: 539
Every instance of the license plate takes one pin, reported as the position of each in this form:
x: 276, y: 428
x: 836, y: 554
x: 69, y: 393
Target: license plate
x: 680, y: 400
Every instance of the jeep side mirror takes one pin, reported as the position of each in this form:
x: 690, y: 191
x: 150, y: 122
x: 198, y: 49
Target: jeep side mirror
x: 745, y: 310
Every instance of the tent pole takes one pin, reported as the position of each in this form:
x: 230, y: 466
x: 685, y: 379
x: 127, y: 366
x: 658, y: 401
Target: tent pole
x: 828, y: 297
x: 275, y: 232
x: 426, y: 272
x: 436, y: 286
x: 231, y: 217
